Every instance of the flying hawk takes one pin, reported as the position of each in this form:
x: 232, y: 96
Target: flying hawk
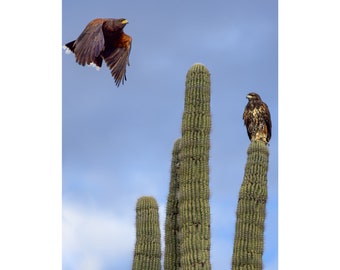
x: 104, y: 39
x: 256, y: 118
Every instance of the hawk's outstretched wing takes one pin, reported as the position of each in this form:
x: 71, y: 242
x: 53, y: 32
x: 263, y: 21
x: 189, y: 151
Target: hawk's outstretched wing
x: 88, y: 46
x: 117, y: 58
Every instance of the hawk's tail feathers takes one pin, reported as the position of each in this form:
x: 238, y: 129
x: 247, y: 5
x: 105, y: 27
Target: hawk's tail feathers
x: 69, y: 47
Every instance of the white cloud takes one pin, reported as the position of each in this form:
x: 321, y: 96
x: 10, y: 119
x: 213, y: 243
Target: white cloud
x: 93, y: 238
x: 162, y: 217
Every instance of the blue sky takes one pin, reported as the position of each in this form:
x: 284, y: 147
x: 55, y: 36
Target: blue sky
x: 117, y: 142
x: 70, y: 159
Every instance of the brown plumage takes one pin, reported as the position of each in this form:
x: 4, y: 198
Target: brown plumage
x: 257, y: 119
x: 104, y: 39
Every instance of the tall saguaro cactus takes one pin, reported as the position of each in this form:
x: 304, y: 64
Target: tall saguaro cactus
x: 251, y: 210
x: 194, y: 209
x: 147, y: 254
x: 172, y: 233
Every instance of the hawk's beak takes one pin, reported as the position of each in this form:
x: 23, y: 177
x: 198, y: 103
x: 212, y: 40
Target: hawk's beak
x: 248, y: 96
x: 125, y: 22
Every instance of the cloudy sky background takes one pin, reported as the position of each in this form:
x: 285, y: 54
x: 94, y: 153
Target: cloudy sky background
x: 117, y: 143
x: 106, y: 168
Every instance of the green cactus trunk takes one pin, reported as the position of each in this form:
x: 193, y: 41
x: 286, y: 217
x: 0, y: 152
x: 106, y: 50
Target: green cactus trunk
x: 172, y: 237
x: 147, y: 254
x: 251, y: 210
x: 194, y: 209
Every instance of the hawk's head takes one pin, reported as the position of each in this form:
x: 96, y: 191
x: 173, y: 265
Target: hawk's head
x: 115, y: 24
x: 253, y: 96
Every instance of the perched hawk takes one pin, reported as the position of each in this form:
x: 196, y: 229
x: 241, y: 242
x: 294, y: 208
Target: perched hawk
x: 256, y: 118
x: 104, y: 39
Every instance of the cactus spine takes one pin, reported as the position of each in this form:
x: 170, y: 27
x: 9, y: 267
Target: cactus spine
x: 147, y: 254
x: 172, y: 238
x: 251, y: 210
x: 194, y: 209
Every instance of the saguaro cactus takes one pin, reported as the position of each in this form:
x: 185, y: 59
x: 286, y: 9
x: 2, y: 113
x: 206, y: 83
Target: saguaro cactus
x: 172, y: 233
x: 194, y: 209
x: 147, y: 254
x: 251, y: 210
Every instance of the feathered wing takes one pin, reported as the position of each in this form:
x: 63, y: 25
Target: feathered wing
x: 268, y: 121
x: 117, y: 58
x: 89, y: 44
x: 247, y: 117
